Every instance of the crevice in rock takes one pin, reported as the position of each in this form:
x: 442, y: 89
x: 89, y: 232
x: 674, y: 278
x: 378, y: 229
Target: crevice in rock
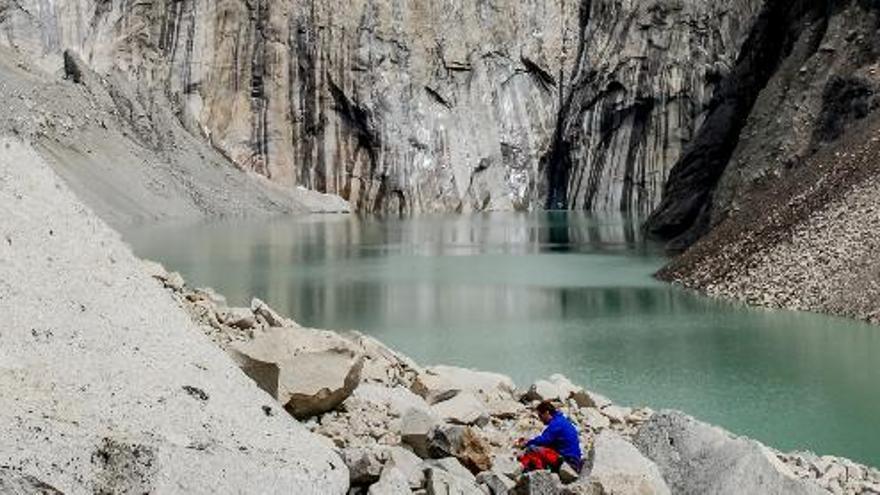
x: 358, y: 120
x: 556, y: 162
x: 436, y: 97
x: 259, y: 99
x: 692, y: 180
x: 543, y: 78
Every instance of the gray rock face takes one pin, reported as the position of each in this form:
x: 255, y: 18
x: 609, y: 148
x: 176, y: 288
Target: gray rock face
x: 537, y: 483
x: 414, y: 428
x: 694, y: 457
x: 115, y: 390
x: 397, y: 106
x: 421, y: 107
x: 645, y: 74
x: 618, y: 468
x: 15, y: 483
x: 440, y: 482
x: 806, y: 74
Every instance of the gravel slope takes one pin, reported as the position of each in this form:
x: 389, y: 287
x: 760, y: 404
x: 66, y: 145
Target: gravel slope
x: 128, y: 157
x: 105, y: 383
x: 807, y: 242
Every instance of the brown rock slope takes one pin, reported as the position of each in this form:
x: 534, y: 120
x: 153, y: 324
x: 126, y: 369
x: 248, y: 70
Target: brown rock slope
x: 808, y: 242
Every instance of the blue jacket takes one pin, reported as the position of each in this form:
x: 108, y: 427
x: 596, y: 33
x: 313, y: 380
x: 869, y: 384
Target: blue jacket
x: 562, y: 436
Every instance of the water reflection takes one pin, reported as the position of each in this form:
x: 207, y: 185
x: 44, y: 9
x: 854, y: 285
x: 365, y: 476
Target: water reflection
x: 531, y: 295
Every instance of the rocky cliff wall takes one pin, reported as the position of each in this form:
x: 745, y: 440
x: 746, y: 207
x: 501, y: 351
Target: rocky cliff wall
x: 808, y: 71
x: 645, y: 76
x: 418, y: 105
x: 398, y: 106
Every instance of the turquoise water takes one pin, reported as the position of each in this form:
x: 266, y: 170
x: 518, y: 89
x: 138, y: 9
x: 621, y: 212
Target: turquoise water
x: 534, y: 294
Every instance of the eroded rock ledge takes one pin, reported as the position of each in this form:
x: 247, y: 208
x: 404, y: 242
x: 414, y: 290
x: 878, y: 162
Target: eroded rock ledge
x: 403, y: 428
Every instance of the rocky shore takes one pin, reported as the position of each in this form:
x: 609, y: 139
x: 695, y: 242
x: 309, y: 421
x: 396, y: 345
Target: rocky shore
x: 403, y: 428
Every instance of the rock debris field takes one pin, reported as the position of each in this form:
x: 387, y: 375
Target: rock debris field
x: 117, y: 377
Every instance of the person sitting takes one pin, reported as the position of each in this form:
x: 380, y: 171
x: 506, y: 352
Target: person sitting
x: 557, y: 444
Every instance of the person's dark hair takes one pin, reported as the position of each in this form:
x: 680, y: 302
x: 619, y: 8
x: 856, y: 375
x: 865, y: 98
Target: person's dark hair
x: 546, y: 407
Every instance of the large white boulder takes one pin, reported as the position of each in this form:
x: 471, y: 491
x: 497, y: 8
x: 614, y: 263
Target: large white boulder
x: 694, y: 457
x: 441, y: 482
x: 620, y: 469
x: 414, y: 427
x: 307, y: 380
x: 397, y: 398
x: 463, y: 409
x: 107, y: 384
x: 439, y: 383
x: 392, y: 482
x: 558, y: 388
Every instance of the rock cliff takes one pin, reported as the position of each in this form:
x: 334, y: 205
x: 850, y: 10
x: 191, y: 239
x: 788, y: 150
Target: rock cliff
x: 420, y: 106
x: 807, y: 73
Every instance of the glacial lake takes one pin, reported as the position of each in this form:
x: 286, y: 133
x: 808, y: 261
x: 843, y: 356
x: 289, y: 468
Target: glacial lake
x: 530, y: 295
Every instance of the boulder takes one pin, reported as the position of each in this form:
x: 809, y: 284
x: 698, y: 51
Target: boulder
x: 498, y: 483
x: 382, y: 364
x: 364, y: 464
x: 398, y: 399
x: 408, y: 463
x: 306, y: 383
x: 462, y: 442
x: 414, y: 427
x: 209, y: 294
x: 507, y: 465
x: 439, y: 383
x: 537, y: 483
x: 694, y: 457
x: 174, y: 281
x: 567, y: 474
x: 464, y: 409
x: 616, y: 414
x: 619, y: 468
x: 392, y: 482
x: 241, y: 318
x: 451, y: 466
x: 440, y: 482
x: 558, y: 388
x: 261, y: 309
x: 505, y: 408
x: 595, y: 419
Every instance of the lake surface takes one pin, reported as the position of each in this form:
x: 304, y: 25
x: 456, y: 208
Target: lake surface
x: 529, y: 295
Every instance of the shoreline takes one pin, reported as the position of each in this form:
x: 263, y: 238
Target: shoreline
x: 506, y: 413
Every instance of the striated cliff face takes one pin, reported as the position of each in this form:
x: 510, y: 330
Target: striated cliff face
x: 406, y: 106
x: 646, y: 73
x: 397, y: 106
x: 808, y: 71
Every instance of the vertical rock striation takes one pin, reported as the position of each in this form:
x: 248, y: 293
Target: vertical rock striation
x: 419, y: 106
x: 397, y: 106
x: 807, y: 71
x: 646, y: 73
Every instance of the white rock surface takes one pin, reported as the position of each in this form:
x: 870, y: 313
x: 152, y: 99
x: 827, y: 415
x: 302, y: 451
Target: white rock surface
x: 694, y: 457
x: 463, y: 409
x: 115, y: 389
x: 310, y: 378
x: 438, y: 383
x: 620, y: 469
